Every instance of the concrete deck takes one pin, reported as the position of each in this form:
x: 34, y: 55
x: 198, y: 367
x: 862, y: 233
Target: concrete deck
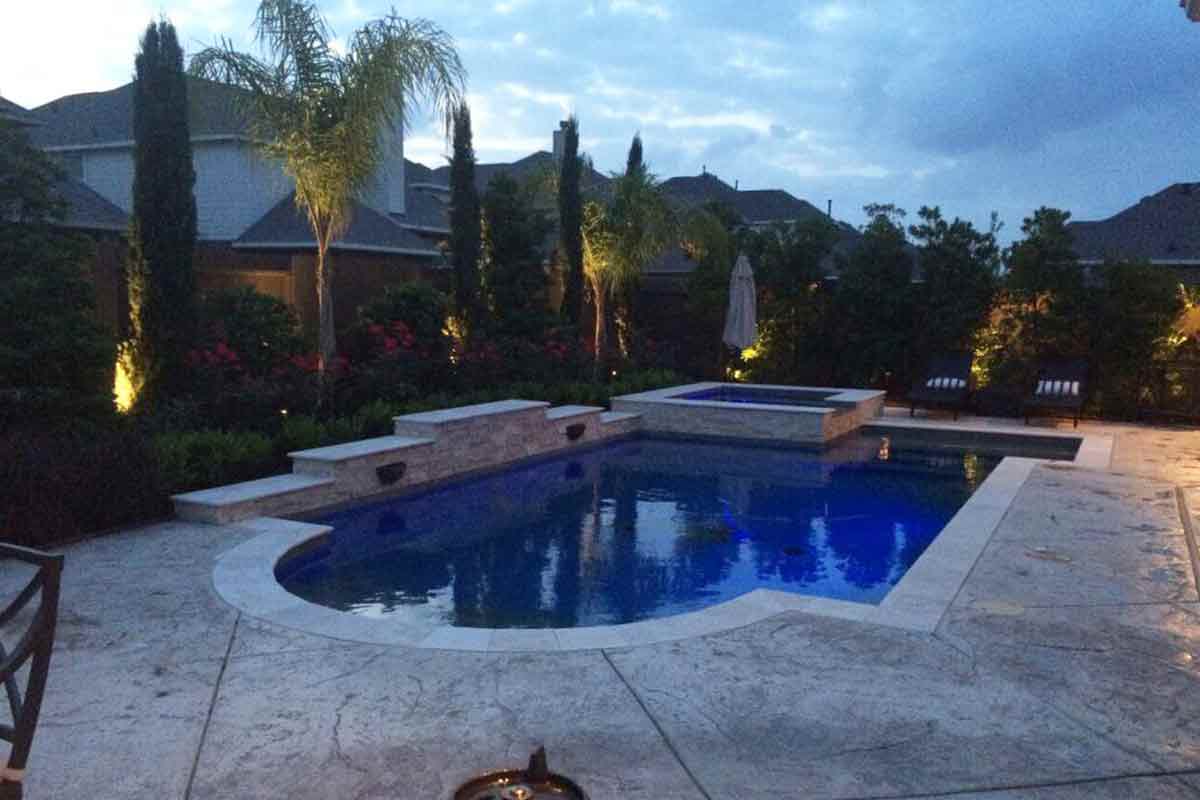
x: 1066, y: 667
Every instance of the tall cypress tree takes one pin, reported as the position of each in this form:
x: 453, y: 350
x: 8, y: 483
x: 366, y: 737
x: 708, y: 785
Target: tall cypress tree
x: 634, y: 162
x: 623, y: 300
x: 465, y: 233
x: 163, y: 227
x: 570, y: 222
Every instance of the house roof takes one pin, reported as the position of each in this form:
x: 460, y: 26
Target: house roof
x: 415, y: 172
x: 532, y: 166
x: 1163, y: 228
x: 285, y: 227
x: 15, y: 113
x: 673, y: 262
x: 755, y: 206
x: 104, y: 118
x: 769, y: 205
x: 425, y: 210
x: 87, y: 210
x: 694, y: 190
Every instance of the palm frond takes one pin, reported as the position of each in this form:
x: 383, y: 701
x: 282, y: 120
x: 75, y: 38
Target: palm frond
x: 264, y: 99
x: 296, y: 37
x: 394, y: 61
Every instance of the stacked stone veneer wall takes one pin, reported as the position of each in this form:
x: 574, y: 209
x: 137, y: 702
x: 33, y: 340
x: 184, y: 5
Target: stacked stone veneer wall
x: 426, y: 447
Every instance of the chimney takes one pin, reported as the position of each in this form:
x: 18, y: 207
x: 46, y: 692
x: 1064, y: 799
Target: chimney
x: 736, y: 182
x: 829, y: 213
x: 560, y: 137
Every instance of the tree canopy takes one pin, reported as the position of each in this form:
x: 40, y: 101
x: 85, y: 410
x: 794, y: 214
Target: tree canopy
x: 56, y: 360
x: 328, y: 113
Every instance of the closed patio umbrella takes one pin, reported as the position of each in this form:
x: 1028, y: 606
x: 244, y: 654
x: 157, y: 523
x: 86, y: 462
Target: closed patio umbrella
x: 741, y: 322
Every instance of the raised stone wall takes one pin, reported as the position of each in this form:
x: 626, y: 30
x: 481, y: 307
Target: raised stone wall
x: 426, y: 447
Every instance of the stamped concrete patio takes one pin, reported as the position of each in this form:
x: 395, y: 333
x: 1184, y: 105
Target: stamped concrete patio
x: 1067, y: 667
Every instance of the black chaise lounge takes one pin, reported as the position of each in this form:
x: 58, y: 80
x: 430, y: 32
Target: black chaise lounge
x: 33, y: 645
x: 1060, y: 390
x: 946, y: 384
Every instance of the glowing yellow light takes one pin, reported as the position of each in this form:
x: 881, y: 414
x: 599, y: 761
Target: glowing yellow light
x: 750, y: 353
x: 123, y: 388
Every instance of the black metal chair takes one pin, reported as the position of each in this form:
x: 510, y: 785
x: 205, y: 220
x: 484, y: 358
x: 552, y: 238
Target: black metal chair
x: 33, y: 646
x: 1061, y: 390
x: 946, y: 384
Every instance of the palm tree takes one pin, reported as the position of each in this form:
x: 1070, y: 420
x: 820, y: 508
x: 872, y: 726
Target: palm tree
x: 619, y: 239
x: 325, y: 114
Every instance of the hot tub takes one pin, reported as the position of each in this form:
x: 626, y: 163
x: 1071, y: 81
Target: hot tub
x: 812, y: 415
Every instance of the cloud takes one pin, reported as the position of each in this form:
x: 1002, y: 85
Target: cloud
x: 828, y: 16
x: 756, y: 67
x: 506, y: 7
x: 640, y: 8
x: 523, y: 92
x: 969, y: 105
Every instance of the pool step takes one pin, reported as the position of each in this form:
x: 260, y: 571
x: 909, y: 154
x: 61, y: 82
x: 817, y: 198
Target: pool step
x: 279, y: 494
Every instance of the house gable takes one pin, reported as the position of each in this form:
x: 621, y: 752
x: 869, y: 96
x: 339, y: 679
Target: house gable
x: 1163, y: 228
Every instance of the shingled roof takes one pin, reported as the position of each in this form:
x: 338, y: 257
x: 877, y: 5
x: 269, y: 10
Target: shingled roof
x: 285, y: 227
x: 696, y: 190
x: 425, y: 209
x: 759, y: 206
x: 1162, y: 228
x: 531, y: 167
x: 87, y: 210
x: 15, y: 113
x: 105, y: 118
x: 755, y: 206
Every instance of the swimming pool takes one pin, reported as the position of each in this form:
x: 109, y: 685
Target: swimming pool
x: 644, y: 528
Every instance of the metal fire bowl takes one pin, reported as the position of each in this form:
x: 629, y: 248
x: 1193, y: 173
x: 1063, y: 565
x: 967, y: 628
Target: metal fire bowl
x: 513, y: 784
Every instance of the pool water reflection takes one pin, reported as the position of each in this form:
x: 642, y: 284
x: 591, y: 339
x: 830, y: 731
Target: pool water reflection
x: 643, y: 528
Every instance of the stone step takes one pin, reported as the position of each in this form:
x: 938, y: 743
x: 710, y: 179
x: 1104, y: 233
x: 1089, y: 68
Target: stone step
x: 566, y: 412
x: 321, y: 460
x: 618, y: 416
x: 619, y: 423
x: 279, y: 494
x: 427, y: 424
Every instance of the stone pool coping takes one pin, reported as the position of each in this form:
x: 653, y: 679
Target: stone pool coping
x: 245, y: 577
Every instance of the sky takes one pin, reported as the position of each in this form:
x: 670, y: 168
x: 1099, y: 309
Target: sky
x: 971, y: 105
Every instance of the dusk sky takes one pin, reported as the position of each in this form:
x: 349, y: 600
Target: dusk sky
x: 974, y: 106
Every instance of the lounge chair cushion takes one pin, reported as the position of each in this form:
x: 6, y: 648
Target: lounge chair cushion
x: 1058, y: 388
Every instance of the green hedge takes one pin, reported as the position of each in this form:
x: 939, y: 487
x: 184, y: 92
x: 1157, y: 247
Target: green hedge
x: 62, y: 485
x: 190, y: 460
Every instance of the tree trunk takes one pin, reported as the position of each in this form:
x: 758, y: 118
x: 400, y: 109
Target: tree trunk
x: 601, y: 341
x: 326, y: 336
x: 623, y: 317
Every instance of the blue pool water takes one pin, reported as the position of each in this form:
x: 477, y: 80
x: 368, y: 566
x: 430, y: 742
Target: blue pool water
x: 643, y: 528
